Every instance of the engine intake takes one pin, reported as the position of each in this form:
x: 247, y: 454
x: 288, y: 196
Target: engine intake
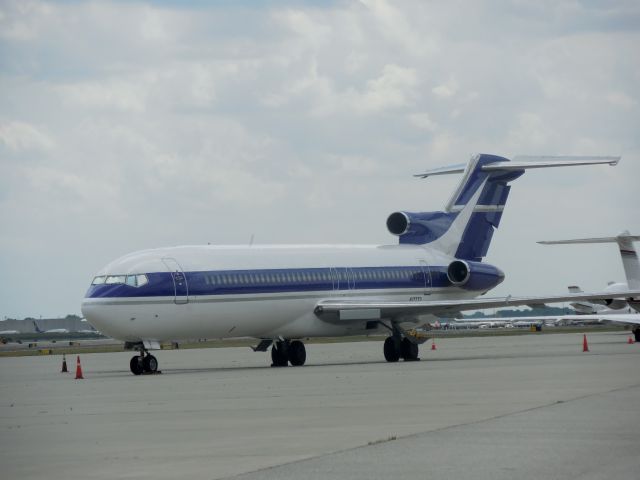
x: 458, y: 272
x: 615, y: 303
x: 474, y: 276
x: 398, y: 223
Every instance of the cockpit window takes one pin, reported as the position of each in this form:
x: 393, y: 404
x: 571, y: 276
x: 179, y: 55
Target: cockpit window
x: 136, y: 280
x: 113, y: 279
x: 131, y: 280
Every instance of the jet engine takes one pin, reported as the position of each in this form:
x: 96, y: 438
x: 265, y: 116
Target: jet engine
x: 474, y: 275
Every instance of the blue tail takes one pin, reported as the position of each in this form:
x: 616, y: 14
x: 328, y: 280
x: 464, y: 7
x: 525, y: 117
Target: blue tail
x: 465, y: 227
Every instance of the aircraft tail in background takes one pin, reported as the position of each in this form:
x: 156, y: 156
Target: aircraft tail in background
x: 628, y: 253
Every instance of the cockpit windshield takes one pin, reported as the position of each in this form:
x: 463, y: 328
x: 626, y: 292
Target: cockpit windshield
x: 130, y: 280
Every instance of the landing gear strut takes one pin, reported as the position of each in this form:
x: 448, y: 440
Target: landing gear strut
x: 398, y: 346
x: 144, y: 362
x: 284, y: 352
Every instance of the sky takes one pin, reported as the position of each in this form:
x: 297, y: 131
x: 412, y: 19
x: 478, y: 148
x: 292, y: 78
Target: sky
x: 132, y: 125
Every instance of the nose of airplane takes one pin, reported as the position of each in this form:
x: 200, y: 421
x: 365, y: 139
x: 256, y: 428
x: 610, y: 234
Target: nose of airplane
x: 106, y: 306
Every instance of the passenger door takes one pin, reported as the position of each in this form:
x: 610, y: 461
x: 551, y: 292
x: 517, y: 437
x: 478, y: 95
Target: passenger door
x: 180, y: 285
x: 426, y: 272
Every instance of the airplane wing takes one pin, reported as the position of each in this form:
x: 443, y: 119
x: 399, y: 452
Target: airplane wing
x: 625, y: 318
x: 345, y: 310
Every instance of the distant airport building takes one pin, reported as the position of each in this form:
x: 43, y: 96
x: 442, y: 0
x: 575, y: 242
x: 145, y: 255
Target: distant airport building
x: 71, y: 323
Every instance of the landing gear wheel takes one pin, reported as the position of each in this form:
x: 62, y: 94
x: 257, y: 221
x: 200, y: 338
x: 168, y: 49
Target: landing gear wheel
x: 391, y: 350
x: 408, y: 350
x: 636, y: 333
x: 297, y: 353
x: 150, y: 364
x: 279, y: 355
x: 136, y: 365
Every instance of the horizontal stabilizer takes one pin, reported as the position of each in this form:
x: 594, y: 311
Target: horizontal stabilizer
x: 526, y: 162
x: 458, y: 168
x: 628, y: 253
x: 622, y: 236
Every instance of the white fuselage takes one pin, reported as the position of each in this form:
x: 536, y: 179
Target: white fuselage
x: 257, y: 291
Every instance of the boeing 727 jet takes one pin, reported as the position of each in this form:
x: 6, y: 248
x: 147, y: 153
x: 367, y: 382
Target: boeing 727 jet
x: 281, y: 294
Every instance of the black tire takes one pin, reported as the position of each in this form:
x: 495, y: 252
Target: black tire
x: 391, y: 350
x: 297, y: 353
x: 408, y: 350
x: 636, y: 333
x: 136, y: 365
x: 278, y: 355
x: 150, y: 364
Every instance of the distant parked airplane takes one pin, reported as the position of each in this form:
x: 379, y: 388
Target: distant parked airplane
x: 615, y: 310
x: 631, y: 265
x: 53, y: 330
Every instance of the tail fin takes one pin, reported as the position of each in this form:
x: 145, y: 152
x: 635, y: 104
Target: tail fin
x: 38, y: 330
x: 465, y: 228
x: 628, y: 253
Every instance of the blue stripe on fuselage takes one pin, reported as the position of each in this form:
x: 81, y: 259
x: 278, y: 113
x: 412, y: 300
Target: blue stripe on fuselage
x: 283, y: 281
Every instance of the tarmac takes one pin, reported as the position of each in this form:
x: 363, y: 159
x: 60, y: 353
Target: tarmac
x: 526, y: 407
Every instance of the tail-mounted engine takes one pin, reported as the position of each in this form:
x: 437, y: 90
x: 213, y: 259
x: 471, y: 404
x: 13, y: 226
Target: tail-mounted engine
x: 474, y: 275
x: 419, y: 228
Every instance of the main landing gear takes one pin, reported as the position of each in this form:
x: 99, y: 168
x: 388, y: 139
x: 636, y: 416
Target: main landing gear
x: 284, y: 352
x: 399, y: 345
x: 144, y: 363
x: 636, y: 334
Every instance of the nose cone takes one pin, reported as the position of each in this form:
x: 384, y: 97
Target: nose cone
x: 104, y: 318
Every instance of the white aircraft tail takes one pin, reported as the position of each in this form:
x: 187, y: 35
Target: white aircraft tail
x: 628, y: 253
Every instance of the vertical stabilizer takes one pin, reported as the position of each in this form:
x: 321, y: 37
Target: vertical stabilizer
x: 628, y: 253
x: 629, y: 259
x: 465, y: 228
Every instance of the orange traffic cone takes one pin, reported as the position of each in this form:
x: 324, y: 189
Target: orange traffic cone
x: 630, y: 341
x: 78, y: 369
x: 433, y: 345
x: 64, y: 364
x: 585, y: 345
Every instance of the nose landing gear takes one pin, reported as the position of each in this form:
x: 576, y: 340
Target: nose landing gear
x: 144, y: 363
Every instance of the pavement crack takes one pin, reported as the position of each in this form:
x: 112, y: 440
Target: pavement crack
x: 437, y: 430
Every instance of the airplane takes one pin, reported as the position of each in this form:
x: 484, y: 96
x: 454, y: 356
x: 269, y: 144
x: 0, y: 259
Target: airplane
x: 613, y: 310
x: 631, y: 266
x: 53, y: 330
x: 280, y: 294
x: 610, y: 306
x: 9, y: 332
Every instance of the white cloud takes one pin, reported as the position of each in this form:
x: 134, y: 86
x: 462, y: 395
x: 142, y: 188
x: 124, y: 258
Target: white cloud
x: 447, y: 89
x: 20, y: 136
x: 621, y: 99
x: 423, y: 121
x: 148, y: 124
x: 394, y: 88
